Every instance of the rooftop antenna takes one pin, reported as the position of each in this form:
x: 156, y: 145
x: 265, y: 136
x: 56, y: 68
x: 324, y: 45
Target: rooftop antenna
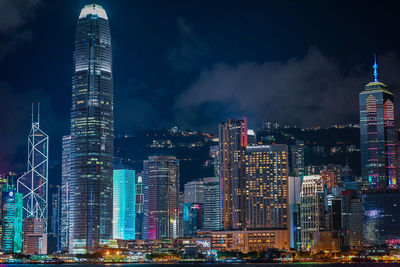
x: 375, y: 67
x: 32, y: 112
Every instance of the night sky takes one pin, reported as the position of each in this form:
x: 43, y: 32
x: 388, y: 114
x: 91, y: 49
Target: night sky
x: 195, y: 63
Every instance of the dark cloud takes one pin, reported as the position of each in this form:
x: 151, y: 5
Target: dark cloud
x: 14, y: 16
x: 191, y: 48
x: 307, y: 91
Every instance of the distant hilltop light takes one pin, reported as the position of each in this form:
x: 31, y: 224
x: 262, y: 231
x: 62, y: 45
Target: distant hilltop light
x: 93, y: 9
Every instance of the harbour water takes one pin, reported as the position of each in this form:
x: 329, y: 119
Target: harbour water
x: 206, y: 264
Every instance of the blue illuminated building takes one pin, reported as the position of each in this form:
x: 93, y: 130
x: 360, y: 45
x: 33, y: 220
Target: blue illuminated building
x: 124, y: 203
x: 192, y: 218
x: 11, y: 220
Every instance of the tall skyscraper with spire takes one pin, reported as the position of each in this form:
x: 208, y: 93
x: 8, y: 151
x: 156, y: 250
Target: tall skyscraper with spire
x: 378, y: 136
x: 92, y: 132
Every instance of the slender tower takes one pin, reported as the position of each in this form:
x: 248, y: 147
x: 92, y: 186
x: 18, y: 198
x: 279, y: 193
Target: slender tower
x: 378, y: 136
x: 232, y: 145
x: 92, y: 133
x: 34, y: 183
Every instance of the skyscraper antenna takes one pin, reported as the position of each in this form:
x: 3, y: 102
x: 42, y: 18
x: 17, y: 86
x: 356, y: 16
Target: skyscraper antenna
x: 38, y: 114
x: 375, y: 66
x: 32, y: 112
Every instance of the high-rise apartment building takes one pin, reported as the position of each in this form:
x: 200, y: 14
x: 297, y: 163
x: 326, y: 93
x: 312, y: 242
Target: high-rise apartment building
x: 124, y: 204
x: 377, y: 136
x: 92, y: 133
x: 232, y: 143
x: 267, y: 202
x: 162, y: 193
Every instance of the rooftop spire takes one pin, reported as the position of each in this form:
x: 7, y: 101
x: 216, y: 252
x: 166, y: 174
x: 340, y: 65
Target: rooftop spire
x: 375, y: 67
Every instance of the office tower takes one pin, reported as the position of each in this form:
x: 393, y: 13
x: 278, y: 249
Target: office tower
x: 377, y: 136
x: 124, y: 204
x: 312, y: 209
x: 352, y: 218
x: 297, y: 158
x: 35, y: 239
x: 65, y: 193
x: 212, y: 203
x: 92, y: 133
x: 294, y: 211
x: 192, y: 218
x: 181, y: 201
x: 163, y: 193
x: 11, y: 238
x: 55, y: 221
x: 267, y: 187
x: 232, y: 143
x: 194, y: 192
x: 139, y: 206
x: 33, y: 185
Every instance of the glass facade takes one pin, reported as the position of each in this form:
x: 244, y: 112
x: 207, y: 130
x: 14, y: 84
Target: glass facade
x: 161, y: 197
x: 65, y: 193
x: 378, y: 137
x: 92, y: 132
x: 124, y: 204
x: 212, y: 203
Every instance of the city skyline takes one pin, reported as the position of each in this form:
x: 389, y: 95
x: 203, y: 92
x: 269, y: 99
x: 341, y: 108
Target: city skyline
x: 263, y: 187
x: 186, y: 38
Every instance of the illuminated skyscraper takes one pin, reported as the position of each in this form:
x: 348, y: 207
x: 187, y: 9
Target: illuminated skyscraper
x: 92, y: 132
x: 194, y: 192
x: 233, y: 142
x: 11, y: 220
x: 212, y: 203
x: 378, y: 136
x: 192, y: 218
x: 312, y: 209
x: 124, y: 204
x: 33, y: 185
x: 139, y: 206
x: 267, y: 171
x: 162, y: 193
x: 65, y: 193
x: 297, y: 159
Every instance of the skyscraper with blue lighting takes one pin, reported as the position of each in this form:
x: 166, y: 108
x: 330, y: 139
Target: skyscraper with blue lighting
x: 124, y: 191
x: 92, y: 133
x: 11, y: 220
x: 378, y: 136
